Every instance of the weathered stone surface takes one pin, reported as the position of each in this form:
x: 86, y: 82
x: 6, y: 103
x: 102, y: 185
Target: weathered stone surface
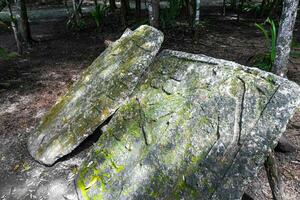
x: 197, y: 128
x: 101, y: 90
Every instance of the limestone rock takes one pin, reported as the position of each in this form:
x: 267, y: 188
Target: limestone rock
x: 102, y: 88
x: 197, y: 128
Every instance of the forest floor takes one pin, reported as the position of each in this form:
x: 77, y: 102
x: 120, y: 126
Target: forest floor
x: 30, y: 85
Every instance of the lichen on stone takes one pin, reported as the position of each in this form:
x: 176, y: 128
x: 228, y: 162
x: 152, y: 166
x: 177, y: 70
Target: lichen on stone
x: 194, y: 128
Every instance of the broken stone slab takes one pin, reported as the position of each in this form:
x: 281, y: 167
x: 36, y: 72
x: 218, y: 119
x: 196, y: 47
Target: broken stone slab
x: 197, y: 128
x: 100, y: 91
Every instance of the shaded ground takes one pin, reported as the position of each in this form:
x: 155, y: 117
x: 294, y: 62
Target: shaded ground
x: 31, y: 84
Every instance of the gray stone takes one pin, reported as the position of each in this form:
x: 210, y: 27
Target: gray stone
x: 196, y: 128
x: 102, y: 88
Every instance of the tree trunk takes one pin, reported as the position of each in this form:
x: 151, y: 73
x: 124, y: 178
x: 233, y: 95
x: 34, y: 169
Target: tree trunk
x: 274, y: 177
x: 224, y: 8
x: 285, y: 35
x: 153, y: 9
x: 23, y: 24
x: 127, y: 3
x: 191, y: 11
x: 78, y: 4
x: 240, y: 9
x: 283, y: 48
x: 15, y: 28
x: 138, y: 8
x: 197, y: 12
x: 233, y: 5
x: 123, y: 13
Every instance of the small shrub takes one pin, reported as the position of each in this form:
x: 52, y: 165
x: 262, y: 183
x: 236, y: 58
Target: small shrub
x: 99, y: 13
x: 168, y: 16
x: 76, y: 23
x: 4, y: 55
x: 266, y: 60
x: 254, y: 8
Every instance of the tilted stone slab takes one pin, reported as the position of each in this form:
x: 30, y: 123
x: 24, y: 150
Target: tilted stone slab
x: 102, y: 88
x: 198, y: 128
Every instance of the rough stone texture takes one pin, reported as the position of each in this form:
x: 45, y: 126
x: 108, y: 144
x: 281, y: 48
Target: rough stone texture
x: 102, y: 88
x: 196, y: 128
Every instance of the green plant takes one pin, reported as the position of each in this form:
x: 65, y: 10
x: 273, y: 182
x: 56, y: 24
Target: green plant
x: 250, y: 7
x: 233, y: 4
x: 265, y: 61
x: 99, y: 13
x: 168, y: 15
x: 76, y: 23
x: 4, y: 55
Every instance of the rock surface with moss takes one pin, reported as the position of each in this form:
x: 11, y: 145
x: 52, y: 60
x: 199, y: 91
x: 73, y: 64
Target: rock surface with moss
x: 102, y: 88
x: 195, y: 128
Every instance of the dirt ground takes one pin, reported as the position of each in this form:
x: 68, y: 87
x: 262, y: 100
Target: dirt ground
x: 30, y: 85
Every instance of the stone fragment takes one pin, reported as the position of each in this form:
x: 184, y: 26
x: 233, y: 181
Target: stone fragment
x: 101, y: 90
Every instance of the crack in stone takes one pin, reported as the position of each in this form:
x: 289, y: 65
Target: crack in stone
x: 241, y: 109
x: 142, y: 122
x: 194, y: 60
x: 165, y: 91
x: 268, y: 102
x: 240, y: 147
x: 218, y: 128
x: 146, y: 50
x: 175, y: 79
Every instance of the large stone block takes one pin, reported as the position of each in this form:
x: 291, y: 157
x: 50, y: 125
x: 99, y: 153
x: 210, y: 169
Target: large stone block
x: 196, y: 128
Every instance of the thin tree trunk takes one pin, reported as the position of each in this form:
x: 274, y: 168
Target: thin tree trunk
x: 233, y: 5
x: 127, y: 3
x: 240, y: 9
x: 153, y: 9
x: 285, y: 36
x: 283, y: 48
x: 23, y: 24
x: 123, y: 13
x: 15, y: 29
x: 274, y: 177
x: 197, y: 12
x: 138, y: 8
x: 78, y: 4
x: 224, y: 8
x: 191, y: 11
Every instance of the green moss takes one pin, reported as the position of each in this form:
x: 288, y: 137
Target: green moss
x: 203, y: 121
x: 209, y: 187
x: 234, y: 87
x: 181, y: 188
x: 270, y: 79
x: 154, y: 194
x: 81, y: 184
x: 118, y: 168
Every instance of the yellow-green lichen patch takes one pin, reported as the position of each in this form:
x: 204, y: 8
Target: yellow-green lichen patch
x: 173, y: 138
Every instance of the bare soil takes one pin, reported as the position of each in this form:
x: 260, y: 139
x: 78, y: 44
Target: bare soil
x: 30, y: 85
